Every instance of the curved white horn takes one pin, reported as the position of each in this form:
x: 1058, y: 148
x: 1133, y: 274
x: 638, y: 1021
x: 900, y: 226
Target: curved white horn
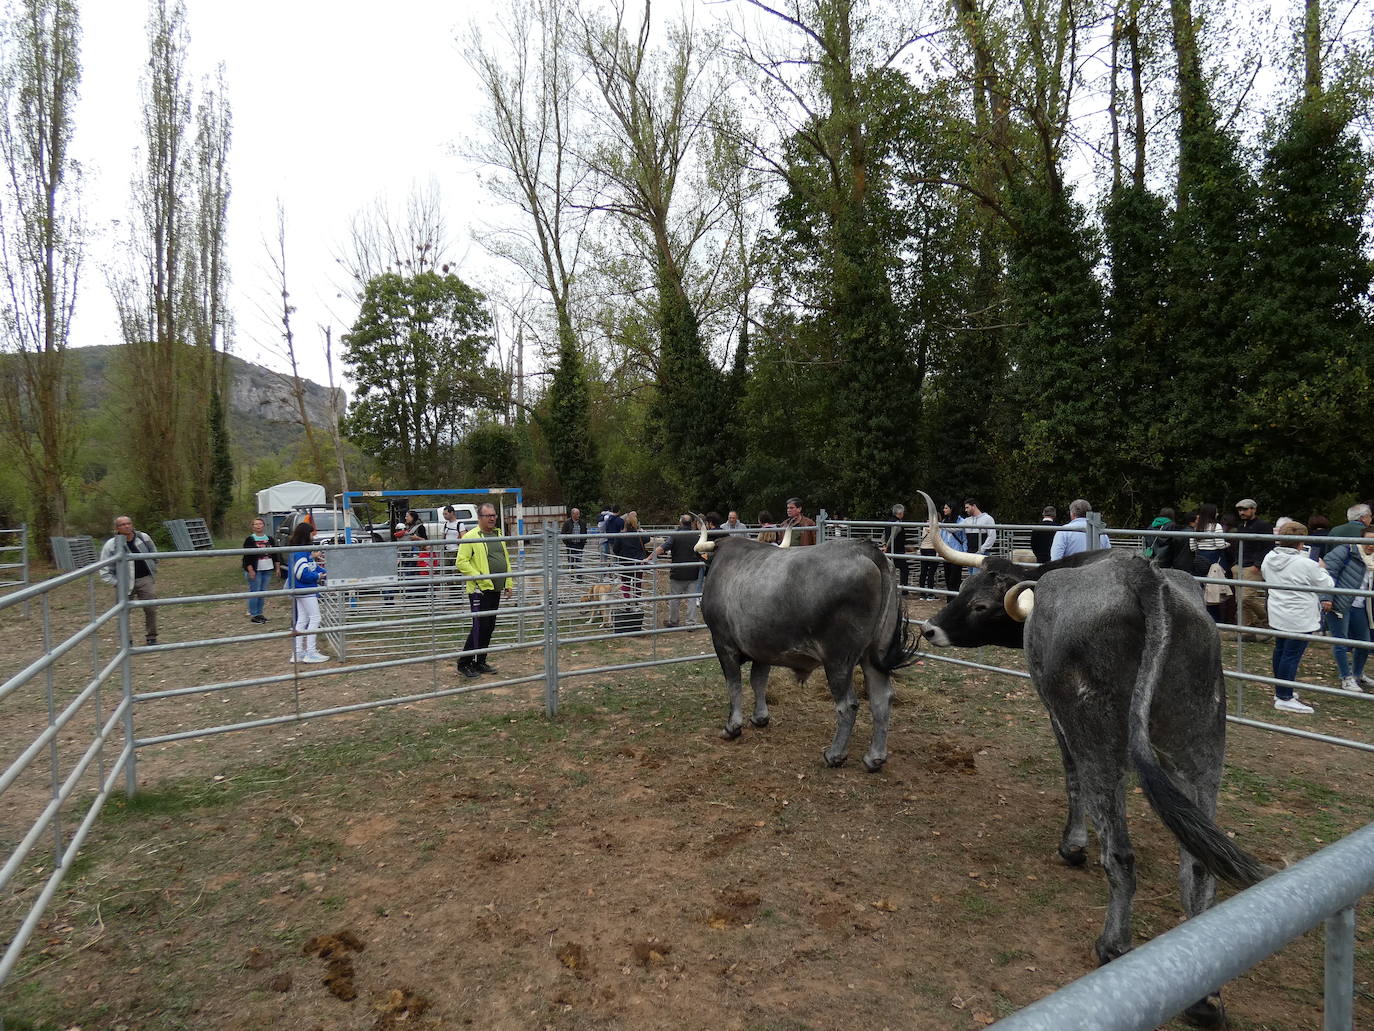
x: 1020, y: 600
x: 954, y: 558
x: 786, y: 538
x: 702, y: 546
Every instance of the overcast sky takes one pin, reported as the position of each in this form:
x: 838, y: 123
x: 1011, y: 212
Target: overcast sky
x: 335, y: 103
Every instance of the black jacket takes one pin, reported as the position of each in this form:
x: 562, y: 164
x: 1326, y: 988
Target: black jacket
x: 1043, y: 540
x: 1251, y: 553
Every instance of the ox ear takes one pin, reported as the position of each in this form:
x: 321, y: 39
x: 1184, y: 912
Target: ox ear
x: 1020, y: 600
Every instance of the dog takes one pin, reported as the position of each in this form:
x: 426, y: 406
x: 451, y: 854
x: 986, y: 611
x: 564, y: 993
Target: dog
x: 600, y: 597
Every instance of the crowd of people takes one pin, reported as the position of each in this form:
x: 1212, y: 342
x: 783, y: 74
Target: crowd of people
x: 1287, y: 586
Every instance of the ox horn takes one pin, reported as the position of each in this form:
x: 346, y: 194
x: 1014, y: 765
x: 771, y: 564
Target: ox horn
x: 956, y: 558
x: 786, y: 538
x: 702, y: 546
x: 1020, y: 600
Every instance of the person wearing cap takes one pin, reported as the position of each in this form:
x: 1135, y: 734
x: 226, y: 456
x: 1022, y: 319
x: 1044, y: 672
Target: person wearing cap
x: 1250, y: 560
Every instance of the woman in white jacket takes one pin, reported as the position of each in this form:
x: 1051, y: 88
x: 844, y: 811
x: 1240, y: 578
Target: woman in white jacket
x: 1297, y: 612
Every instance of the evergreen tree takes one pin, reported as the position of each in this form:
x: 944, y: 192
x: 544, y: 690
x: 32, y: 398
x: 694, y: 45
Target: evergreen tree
x: 573, y: 449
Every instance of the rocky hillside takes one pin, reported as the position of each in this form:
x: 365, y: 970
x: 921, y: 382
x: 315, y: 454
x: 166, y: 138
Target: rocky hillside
x: 262, y: 409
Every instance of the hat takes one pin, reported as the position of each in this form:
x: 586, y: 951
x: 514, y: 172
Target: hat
x: 1246, y: 503
x: 400, y: 527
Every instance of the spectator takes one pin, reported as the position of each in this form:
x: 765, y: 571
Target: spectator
x: 258, y: 570
x: 766, y: 524
x: 143, y: 577
x: 1180, y: 552
x: 451, y: 530
x: 957, y: 540
x: 574, y: 524
x: 414, y: 558
x: 1317, y: 526
x: 732, y: 522
x: 1250, y: 557
x: 896, y: 545
x: 1043, y: 540
x: 1350, y: 568
x: 1073, y: 538
x: 305, y: 572
x: 630, y: 548
x: 1284, y: 565
x: 1357, y: 518
x: 1163, y: 521
x: 489, y: 561
x: 796, y: 517
x: 1214, y: 553
x: 979, y: 542
x: 686, y: 565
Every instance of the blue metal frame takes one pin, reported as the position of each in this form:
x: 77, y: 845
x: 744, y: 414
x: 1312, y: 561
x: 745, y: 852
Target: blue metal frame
x: 347, y: 498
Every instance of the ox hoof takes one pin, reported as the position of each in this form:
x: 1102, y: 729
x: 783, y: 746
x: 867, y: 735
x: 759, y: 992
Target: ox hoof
x: 730, y: 733
x: 1107, y: 953
x: 759, y: 721
x: 833, y: 761
x: 1073, y: 855
x: 874, y: 765
x: 1208, y: 1012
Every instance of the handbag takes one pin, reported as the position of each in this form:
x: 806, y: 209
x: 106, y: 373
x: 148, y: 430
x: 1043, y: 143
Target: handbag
x: 1214, y: 594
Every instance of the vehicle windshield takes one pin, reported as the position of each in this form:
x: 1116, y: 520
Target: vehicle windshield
x: 327, y: 519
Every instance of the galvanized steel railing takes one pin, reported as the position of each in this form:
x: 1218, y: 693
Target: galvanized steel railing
x: 14, y: 560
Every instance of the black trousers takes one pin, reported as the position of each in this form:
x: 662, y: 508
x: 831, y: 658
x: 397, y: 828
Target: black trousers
x: 479, y: 637
x: 928, y: 569
x: 953, y: 576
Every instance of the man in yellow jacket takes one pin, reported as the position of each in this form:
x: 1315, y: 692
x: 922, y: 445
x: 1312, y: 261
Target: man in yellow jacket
x: 489, y: 560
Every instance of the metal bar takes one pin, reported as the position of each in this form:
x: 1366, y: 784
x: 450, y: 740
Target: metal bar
x: 550, y: 557
x: 54, y: 769
x: 124, y: 573
x: 381, y: 703
x: 61, y: 580
x: 1147, y: 986
x: 1339, y: 991
x: 25, y: 932
x: 48, y: 658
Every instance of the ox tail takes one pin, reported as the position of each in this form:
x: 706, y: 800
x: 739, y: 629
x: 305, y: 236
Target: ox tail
x: 1195, y: 830
x: 903, y: 645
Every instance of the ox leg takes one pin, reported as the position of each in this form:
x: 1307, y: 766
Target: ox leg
x: 1073, y: 844
x: 841, y: 681
x: 1107, y: 804
x: 879, y: 687
x: 1197, y: 888
x: 758, y: 680
x: 730, y: 666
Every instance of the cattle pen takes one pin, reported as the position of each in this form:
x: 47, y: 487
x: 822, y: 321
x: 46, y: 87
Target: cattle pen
x: 84, y: 703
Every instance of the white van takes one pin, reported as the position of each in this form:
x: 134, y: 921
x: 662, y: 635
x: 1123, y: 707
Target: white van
x: 433, y: 518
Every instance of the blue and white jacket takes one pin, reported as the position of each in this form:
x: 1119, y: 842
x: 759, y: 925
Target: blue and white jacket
x: 304, y: 571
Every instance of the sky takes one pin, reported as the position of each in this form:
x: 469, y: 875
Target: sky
x: 335, y: 103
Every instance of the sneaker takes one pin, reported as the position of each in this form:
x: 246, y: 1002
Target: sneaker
x: 317, y: 657
x: 259, y: 619
x: 1352, y: 685
x: 483, y: 667
x: 1366, y: 683
x: 1292, y: 705
x: 151, y: 641
x: 469, y: 671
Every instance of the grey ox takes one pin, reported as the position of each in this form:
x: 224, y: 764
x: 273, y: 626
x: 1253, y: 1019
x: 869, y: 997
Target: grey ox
x: 1128, y: 663
x: 834, y: 605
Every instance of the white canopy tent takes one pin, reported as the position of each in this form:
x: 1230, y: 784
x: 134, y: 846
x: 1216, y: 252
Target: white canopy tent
x: 289, y: 495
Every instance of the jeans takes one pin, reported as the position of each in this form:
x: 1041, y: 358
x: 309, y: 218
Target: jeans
x: 258, y: 579
x: 1287, y: 654
x: 1355, y: 626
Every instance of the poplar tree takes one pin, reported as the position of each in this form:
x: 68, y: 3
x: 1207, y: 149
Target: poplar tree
x: 40, y: 249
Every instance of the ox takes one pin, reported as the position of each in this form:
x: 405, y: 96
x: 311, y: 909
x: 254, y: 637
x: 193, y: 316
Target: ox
x: 1126, y: 660
x: 832, y: 606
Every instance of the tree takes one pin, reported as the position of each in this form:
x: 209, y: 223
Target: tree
x: 40, y: 248
x: 416, y: 353
x: 529, y: 128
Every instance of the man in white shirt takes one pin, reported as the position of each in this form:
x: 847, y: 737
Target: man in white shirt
x: 979, y: 541
x: 1072, y: 539
x: 450, y: 530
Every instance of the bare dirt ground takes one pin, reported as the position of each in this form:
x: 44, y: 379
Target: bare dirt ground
x: 469, y: 863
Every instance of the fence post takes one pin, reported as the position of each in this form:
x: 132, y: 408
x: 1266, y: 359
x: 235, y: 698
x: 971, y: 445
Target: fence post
x: 549, y: 553
x: 52, y: 719
x: 24, y: 553
x: 821, y: 518
x: 1094, y: 527
x: 124, y: 571
x: 1339, y: 990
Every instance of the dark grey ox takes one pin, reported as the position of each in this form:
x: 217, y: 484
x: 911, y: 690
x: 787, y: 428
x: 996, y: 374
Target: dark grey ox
x: 833, y: 605
x: 1128, y: 663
